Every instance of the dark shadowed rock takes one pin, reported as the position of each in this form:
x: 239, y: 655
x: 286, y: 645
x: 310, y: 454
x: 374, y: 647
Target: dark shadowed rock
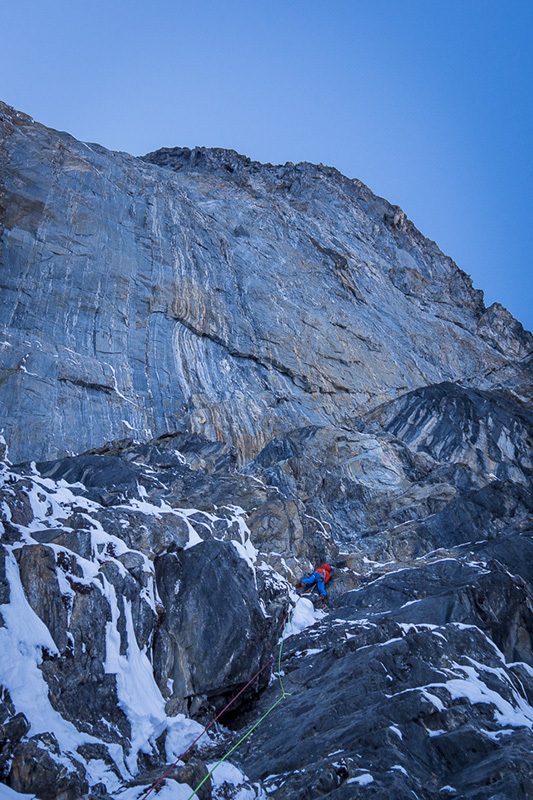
x: 401, y: 696
x: 215, y: 635
x: 4, y: 583
x: 39, y: 768
x: 480, y: 429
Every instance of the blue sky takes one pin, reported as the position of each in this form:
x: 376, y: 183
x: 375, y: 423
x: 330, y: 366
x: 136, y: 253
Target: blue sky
x: 428, y: 103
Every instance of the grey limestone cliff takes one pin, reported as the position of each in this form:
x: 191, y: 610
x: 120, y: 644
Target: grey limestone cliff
x: 200, y: 291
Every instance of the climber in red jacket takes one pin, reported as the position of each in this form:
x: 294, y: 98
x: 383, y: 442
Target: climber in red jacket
x: 320, y: 576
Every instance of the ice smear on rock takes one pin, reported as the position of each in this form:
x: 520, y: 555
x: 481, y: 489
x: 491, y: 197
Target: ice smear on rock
x: 139, y: 696
x: 22, y: 642
x: 304, y: 616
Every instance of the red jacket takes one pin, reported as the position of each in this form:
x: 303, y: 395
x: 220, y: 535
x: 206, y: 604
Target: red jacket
x: 324, y: 570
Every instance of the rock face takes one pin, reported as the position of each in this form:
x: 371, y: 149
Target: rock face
x: 402, y: 688
x: 199, y: 291
x: 122, y: 609
x: 240, y: 361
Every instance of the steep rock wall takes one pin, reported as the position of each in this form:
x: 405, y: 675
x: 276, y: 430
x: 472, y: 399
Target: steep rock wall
x: 199, y: 291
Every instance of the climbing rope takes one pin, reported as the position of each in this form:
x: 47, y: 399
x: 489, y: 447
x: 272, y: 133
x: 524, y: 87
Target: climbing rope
x: 284, y: 694
x: 285, y: 624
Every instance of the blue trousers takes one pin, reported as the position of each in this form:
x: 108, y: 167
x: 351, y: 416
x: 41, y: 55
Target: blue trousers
x: 317, y: 578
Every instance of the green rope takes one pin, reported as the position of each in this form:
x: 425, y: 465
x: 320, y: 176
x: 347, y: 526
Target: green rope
x: 259, y: 721
x: 284, y: 694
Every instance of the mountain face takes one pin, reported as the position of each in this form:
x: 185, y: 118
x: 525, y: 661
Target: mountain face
x: 202, y: 292
x: 216, y: 375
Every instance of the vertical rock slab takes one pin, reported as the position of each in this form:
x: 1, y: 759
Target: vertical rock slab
x: 215, y: 635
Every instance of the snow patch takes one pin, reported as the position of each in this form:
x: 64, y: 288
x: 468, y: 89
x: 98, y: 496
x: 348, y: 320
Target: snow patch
x: 519, y: 715
x: 303, y: 616
x: 399, y: 768
x: 22, y: 640
x: 168, y: 790
x: 138, y: 694
x: 9, y: 794
x: 362, y: 780
x: 230, y: 775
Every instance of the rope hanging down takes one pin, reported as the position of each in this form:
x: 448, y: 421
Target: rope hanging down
x: 284, y: 694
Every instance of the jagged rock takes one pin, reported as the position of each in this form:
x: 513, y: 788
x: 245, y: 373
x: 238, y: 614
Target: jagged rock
x: 350, y: 481
x: 107, y: 479
x: 438, y: 467
x: 485, y: 432
x: 39, y: 767
x: 290, y: 539
x: 77, y: 541
x: 75, y: 612
x: 497, y: 602
x: 504, y: 332
x: 403, y: 696
x: 13, y: 728
x: 499, y: 508
x: 37, y: 565
x: 105, y: 625
x: 15, y: 498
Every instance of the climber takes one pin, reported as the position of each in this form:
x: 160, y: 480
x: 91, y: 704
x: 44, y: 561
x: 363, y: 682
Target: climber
x: 320, y: 576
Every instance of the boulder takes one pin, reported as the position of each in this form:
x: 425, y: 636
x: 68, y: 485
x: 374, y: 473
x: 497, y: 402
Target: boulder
x: 215, y: 634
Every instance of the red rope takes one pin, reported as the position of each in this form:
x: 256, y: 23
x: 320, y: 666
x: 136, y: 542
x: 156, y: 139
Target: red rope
x: 162, y: 778
x: 169, y: 770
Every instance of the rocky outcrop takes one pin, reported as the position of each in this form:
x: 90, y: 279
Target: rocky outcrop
x: 402, y: 689
x: 439, y: 466
x: 125, y: 607
x: 202, y: 292
x: 202, y: 645
x: 162, y: 571
x: 485, y: 433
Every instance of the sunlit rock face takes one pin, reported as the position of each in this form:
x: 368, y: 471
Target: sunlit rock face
x: 200, y: 291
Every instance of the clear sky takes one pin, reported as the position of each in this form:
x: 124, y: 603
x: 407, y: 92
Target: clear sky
x: 429, y: 103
